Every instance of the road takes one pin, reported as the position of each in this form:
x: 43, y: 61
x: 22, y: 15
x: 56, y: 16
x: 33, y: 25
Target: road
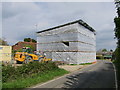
x: 99, y: 75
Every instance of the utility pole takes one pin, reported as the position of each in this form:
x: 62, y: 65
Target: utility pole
x: 36, y: 26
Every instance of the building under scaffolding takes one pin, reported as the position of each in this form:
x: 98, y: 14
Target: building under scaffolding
x: 74, y: 42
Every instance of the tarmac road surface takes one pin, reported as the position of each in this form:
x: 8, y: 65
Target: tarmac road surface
x: 99, y: 75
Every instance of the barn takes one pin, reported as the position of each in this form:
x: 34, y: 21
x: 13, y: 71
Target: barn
x: 73, y: 42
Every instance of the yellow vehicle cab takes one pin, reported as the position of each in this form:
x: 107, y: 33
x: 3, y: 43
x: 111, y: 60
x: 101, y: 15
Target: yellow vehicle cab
x: 26, y: 56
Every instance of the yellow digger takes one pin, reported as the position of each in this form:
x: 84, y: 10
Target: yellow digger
x: 26, y: 56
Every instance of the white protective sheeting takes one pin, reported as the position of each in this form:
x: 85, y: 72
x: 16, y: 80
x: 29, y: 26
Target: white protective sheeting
x: 58, y: 47
x: 73, y: 43
x: 70, y: 57
x: 86, y: 57
x: 70, y: 36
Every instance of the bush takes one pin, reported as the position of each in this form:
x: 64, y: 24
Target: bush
x: 37, y: 78
x: 116, y: 61
x: 7, y: 73
x: 116, y: 56
x: 10, y: 73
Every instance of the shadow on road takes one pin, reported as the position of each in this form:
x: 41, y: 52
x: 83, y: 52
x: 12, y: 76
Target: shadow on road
x: 101, y: 76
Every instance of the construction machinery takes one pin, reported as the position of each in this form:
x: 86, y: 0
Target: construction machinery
x: 27, y: 56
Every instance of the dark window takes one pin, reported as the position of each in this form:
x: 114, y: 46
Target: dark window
x: 66, y: 43
x: 20, y: 55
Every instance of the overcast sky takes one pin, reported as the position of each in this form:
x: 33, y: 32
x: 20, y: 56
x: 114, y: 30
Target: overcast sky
x: 19, y: 19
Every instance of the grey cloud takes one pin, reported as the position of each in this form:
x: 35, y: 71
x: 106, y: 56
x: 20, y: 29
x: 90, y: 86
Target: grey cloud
x: 10, y: 9
x: 21, y: 18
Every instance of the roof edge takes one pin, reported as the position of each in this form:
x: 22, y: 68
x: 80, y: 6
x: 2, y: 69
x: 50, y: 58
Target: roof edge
x: 81, y: 22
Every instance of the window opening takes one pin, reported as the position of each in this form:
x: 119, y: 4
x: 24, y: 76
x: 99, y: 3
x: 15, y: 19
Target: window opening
x: 66, y: 43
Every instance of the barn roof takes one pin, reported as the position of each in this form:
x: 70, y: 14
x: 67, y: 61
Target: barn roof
x: 81, y: 22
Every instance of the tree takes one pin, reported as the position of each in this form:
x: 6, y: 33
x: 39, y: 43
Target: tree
x: 111, y: 50
x: 116, y: 54
x: 33, y: 40
x: 3, y: 42
x: 29, y: 40
x: 117, y: 2
x: 104, y: 50
x: 117, y: 30
x: 117, y: 22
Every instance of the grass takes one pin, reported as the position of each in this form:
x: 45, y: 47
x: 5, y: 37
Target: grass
x: 85, y: 63
x: 80, y: 64
x: 35, y: 79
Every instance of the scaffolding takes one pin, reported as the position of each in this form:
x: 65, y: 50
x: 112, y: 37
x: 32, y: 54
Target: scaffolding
x: 73, y: 43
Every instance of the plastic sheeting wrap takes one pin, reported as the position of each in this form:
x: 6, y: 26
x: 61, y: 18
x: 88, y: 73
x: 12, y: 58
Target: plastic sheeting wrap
x: 85, y: 57
x: 85, y: 31
x: 73, y: 43
x: 86, y: 47
x: 70, y: 57
x: 74, y: 57
x: 70, y: 36
x: 86, y: 39
x: 58, y: 47
x: 69, y: 28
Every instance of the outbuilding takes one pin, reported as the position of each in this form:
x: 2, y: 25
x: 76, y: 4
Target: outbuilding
x: 74, y: 43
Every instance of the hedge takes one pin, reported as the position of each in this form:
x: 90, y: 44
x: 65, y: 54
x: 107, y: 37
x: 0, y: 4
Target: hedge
x: 10, y: 73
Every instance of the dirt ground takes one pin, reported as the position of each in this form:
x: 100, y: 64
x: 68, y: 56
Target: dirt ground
x: 72, y: 68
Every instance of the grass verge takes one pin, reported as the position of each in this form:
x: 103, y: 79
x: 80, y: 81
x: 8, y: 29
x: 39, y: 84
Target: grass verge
x: 35, y: 79
x: 85, y: 64
x: 80, y: 64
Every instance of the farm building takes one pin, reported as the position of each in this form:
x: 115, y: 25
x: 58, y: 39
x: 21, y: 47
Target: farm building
x: 18, y: 46
x: 74, y: 43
